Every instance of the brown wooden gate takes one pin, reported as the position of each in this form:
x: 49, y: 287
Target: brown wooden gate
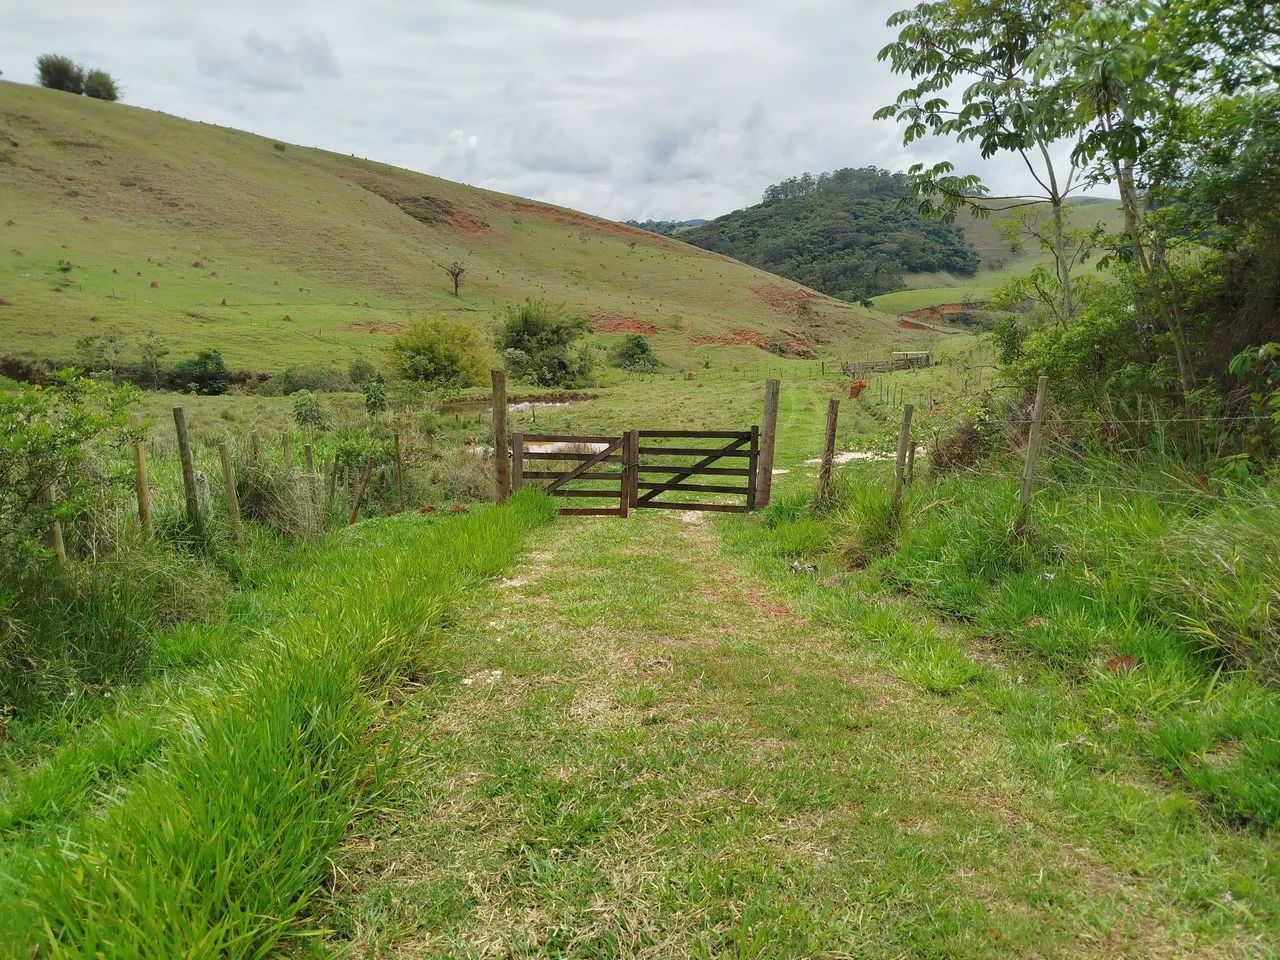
x: 680, y: 460
x: 564, y: 459
x: 637, y: 468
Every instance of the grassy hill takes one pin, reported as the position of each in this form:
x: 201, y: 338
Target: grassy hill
x: 276, y: 253
x: 998, y: 261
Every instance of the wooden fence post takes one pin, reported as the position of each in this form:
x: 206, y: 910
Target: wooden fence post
x: 753, y: 470
x: 1033, y: 454
x: 828, y: 452
x: 233, y: 500
x: 399, y: 473
x: 633, y: 459
x: 911, y: 465
x: 313, y: 479
x: 500, y: 454
x: 142, y: 486
x: 900, y: 464
x: 56, y: 543
x: 188, y: 470
x: 360, y: 487
x: 332, y: 480
x: 255, y: 447
x: 768, y: 437
x: 517, y: 461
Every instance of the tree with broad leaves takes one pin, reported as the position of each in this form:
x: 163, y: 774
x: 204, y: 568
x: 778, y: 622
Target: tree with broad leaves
x: 1004, y: 106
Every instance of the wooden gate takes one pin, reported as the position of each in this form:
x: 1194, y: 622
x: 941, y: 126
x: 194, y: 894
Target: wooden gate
x: 676, y: 462
x: 680, y: 461
x: 564, y: 459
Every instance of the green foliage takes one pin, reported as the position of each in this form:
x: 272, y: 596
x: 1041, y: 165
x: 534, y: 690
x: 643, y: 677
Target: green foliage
x: 101, y: 85
x: 153, y: 350
x: 60, y: 73
x: 635, y: 354
x: 307, y: 411
x: 445, y: 353
x: 846, y: 233
x: 375, y: 396
x: 544, y: 344
x: 317, y: 377
x: 361, y: 371
x: 206, y: 373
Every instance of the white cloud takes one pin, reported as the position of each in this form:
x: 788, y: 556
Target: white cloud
x: 662, y: 109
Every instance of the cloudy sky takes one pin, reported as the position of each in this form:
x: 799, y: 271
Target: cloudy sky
x: 661, y: 108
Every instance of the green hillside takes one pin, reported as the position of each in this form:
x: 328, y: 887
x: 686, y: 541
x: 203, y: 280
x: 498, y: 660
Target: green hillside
x: 276, y: 253
x: 998, y: 260
x: 852, y: 233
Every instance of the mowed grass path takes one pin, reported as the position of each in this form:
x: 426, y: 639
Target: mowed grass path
x: 645, y: 752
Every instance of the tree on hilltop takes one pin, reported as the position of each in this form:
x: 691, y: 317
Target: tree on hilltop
x: 60, y: 73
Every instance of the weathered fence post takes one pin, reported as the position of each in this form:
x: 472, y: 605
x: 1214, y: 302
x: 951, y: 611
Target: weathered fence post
x: 500, y: 454
x: 633, y: 461
x: 399, y: 473
x: 56, y: 543
x: 517, y: 461
x: 768, y: 436
x: 233, y: 500
x: 188, y: 470
x: 141, y: 486
x: 1033, y: 454
x: 900, y: 464
x: 331, y: 476
x: 255, y: 447
x: 360, y: 487
x: 753, y: 470
x: 911, y: 464
x: 828, y: 452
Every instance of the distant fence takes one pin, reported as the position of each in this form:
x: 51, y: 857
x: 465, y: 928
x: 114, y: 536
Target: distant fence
x: 904, y: 360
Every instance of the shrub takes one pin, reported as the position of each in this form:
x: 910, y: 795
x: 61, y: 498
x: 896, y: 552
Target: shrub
x: 60, y: 73
x: 635, y: 354
x: 317, y: 377
x: 543, y: 344
x: 307, y: 411
x: 445, y: 353
x: 375, y: 396
x: 206, y: 372
x: 101, y: 86
x: 361, y: 372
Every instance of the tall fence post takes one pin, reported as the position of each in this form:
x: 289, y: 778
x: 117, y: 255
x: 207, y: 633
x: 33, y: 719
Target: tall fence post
x: 500, y: 454
x: 633, y: 462
x: 188, y: 470
x: 313, y: 481
x: 900, y: 463
x: 911, y: 464
x: 229, y: 485
x: 142, y: 485
x: 828, y: 452
x: 753, y: 470
x: 399, y: 473
x: 360, y: 488
x: 768, y: 436
x: 255, y: 447
x: 1033, y: 454
x: 56, y: 543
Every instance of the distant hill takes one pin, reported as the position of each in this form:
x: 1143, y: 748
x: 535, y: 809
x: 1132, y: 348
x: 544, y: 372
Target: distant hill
x: 666, y: 228
x: 852, y: 234
x: 115, y: 218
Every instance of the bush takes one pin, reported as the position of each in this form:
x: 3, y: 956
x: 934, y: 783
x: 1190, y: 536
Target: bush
x: 542, y: 344
x: 317, y: 377
x: 307, y: 411
x: 375, y: 396
x: 60, y: 73
x: 206, y: 372
x: 446, y: 353
x: 101, y: 86
x: 361, y: 372
x: 635, y: 354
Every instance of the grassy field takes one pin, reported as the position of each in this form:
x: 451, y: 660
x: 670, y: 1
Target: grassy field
x: 275, y: 253
x: 999, y: 261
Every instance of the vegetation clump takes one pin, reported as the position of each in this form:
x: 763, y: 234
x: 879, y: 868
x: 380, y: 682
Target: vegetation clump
x: 543, y: 344
x: 443, y: 352
x: 58, y: 72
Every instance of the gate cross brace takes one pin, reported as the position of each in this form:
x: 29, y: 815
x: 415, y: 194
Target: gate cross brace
x: 704, y: 462
x: 584, y: 466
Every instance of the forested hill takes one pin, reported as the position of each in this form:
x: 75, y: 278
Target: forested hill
x: 852, y: 234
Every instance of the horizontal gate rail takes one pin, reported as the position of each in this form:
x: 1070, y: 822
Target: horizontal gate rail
x: 563, y: 467
x: 694, y: 452
x: 682, y: 479
x: 691, y: 487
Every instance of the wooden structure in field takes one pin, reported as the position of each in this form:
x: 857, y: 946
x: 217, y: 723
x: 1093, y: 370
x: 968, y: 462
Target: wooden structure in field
x: 899, y: 360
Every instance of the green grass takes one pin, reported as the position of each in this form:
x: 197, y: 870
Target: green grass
x: 198, y: 818
x: 311, y: 254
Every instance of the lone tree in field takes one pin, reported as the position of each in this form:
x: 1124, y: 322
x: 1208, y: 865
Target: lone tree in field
x: 101, y: 86
x: 60, y: 73
x: 456, y: 270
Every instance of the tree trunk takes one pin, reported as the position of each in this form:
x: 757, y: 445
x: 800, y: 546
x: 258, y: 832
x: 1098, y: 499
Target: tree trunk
x: 1061, y: 262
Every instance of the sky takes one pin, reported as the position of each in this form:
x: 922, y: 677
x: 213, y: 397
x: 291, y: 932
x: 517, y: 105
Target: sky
x: 655, y: 109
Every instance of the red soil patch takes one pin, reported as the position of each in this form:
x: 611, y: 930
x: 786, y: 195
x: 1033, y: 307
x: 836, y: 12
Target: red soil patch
x: 856, y: 388
x: 467, y: 224
x: 943, y: 310
x: 3, y: 302
x: 771, y: 608
x: 737, y: 337
x: 912, y: 325
x: 373, y: 326
x: 582, y: 221
x: 621, y: 323
x: 784, y: 298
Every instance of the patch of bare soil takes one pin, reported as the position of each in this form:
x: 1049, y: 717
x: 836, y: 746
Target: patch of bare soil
x: 621, y: 323
x: 377, y: 326
x: 943, y: 310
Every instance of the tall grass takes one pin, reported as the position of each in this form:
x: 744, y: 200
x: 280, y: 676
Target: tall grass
x: 1156, y: 599
x: 217, y: 849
